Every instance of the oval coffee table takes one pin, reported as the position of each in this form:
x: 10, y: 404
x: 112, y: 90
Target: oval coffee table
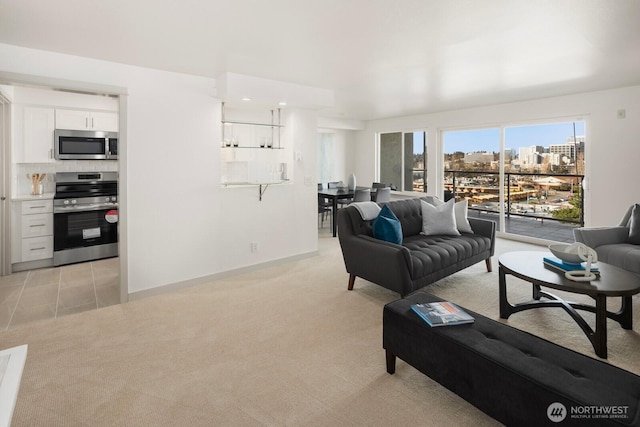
x: 612, y: 282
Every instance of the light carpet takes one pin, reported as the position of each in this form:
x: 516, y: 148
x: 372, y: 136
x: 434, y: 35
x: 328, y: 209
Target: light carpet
x: 284, y: 346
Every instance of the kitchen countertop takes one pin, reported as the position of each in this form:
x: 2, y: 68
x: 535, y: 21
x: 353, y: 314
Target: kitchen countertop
x: 23, y: 197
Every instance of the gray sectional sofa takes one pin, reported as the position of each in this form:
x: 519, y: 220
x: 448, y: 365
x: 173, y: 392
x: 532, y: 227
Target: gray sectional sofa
x: 420, y: 260
x: 612, y: 243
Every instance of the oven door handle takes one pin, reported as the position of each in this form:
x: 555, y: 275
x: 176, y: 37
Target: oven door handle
x: 91, y: 207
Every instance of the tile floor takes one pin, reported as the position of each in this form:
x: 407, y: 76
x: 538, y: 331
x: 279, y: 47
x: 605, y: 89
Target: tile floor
x: 47, y: 293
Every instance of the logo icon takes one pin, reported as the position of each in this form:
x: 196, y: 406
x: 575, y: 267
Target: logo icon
x: 556, y: 412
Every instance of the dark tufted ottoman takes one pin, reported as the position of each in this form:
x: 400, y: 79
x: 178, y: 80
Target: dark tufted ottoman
x: 511, y: 375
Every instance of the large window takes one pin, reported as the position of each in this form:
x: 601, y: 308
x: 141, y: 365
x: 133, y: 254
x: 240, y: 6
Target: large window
x: 326, y: 152
x: 403, y: 160
x: 532, y: 186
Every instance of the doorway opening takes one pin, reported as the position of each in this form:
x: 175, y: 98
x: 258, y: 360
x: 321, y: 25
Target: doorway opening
x: 61, y: 88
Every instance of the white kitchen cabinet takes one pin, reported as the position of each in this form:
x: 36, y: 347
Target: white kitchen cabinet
x: 35, y: 248
x: 37, y: 225
x: 34, y: 137
x: 33, y: 230
x: 32, y: 207
x: 86, y: 120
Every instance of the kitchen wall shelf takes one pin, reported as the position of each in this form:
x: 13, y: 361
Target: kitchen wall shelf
x: 248, y: 134
x: 252, y: 148
x: 271, y: 125
x: 252, y: 154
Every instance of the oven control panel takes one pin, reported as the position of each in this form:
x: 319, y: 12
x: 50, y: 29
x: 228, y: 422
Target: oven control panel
x: 85, y: 204
x: 108, y: 199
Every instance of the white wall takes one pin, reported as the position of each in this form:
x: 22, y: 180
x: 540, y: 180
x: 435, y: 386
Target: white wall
x: 180, y: 223
x: 612, y: 146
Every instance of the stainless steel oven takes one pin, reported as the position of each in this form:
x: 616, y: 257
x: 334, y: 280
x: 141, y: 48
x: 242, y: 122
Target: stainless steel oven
x: 85, y: 217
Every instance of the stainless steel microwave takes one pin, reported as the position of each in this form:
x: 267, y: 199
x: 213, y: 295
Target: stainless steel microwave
x: 85, y: 145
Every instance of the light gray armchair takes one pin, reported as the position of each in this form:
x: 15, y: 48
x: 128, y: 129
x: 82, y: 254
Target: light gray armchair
x: 611, y: 244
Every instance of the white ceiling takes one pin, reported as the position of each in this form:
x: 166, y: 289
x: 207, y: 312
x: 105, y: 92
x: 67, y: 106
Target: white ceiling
x: 381, y: 58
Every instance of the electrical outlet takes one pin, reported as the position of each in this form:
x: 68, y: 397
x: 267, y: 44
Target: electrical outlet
x: 622, y: 114
x: 254, y: 246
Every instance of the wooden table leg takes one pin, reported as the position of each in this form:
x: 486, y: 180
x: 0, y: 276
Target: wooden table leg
x: 626, y: 313
x: 599, y: 337
x: 334, y: 209
x: 505, y: 307
x: 536, y: 292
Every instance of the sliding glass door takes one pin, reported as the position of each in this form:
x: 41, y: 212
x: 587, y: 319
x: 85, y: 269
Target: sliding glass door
x: 526, y: 178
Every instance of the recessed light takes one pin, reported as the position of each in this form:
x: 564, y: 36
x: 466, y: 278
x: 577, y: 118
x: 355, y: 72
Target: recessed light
x: 246, y: 98
x: 282, y: 103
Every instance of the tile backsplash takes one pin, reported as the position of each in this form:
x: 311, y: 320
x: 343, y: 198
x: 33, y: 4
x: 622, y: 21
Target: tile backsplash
x: 21, y: 184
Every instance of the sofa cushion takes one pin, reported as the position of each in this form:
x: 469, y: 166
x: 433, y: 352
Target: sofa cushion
x: 433, y: 253
x: 387, y: 226
x: 623, y: 255
x: 634, y: 225
x: 439, y: 220
x: 460, y: 212
x: 409, y: 213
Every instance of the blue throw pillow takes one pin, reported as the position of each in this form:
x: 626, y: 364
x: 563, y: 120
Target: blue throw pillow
x: 387, y: 226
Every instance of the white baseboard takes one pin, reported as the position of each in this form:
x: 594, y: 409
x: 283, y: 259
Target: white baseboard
x: 217, y: 276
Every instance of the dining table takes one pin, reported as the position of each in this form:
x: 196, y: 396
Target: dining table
x: 335, y: 194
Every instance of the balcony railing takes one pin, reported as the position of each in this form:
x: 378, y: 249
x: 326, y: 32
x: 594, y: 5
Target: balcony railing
x: 526, y: 195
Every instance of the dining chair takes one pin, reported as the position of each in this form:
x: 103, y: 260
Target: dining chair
x: 375, y: 186
x: 339, y: 202
x: 383, y: 195
x: 324, y: 206
x: 323, y: 211
x: 362, y: 195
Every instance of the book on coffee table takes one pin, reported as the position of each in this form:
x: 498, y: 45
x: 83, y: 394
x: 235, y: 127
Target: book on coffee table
x: 561, y: 266
x: 442, y: 313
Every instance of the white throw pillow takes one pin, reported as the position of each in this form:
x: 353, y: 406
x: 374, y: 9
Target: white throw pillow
x: 462, y: 222
x: 439, y: 219
x: 434, y: 200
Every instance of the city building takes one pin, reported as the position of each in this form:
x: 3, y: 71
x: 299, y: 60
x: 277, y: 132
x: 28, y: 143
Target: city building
x: 568, y: 151
x: 530, y: 155
x: 479, y: 157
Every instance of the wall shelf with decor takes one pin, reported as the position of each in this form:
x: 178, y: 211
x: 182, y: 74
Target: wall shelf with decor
x: 246, y: 134
x: 252, y: 153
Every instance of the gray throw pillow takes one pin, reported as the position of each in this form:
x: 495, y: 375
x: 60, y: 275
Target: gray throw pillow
x: 439, y: 220
x: 634, y: 225
x: 434, y: 200
x: 462, y: 222
x: 460, y: 212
